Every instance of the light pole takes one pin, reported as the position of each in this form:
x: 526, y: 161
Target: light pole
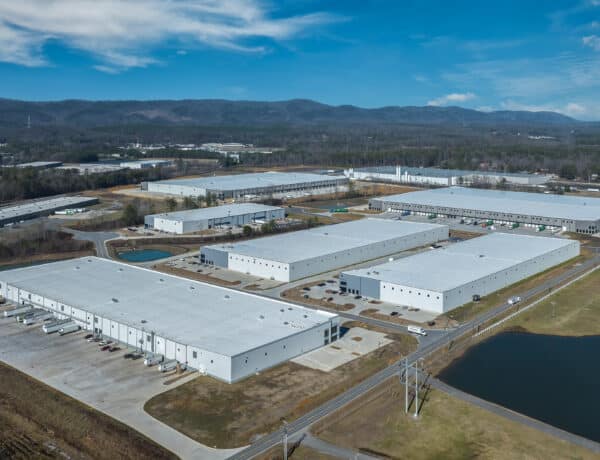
x: 416, y: 388
x: 406, y: 385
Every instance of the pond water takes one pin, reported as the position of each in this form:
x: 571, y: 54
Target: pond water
x: 550, y: 378
x: 143, y: 255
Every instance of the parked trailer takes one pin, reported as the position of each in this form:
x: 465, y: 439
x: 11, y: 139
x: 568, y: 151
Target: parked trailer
x: 153, y: 360
x: 167, y: 365
x: 40, y: 317
x: 68, y: 328
x: 17, y: 311
x: 55, y: 325
x: 28, y: 314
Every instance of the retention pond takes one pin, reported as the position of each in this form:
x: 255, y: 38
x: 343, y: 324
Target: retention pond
x: 550, y: 378
x: 143, y: 255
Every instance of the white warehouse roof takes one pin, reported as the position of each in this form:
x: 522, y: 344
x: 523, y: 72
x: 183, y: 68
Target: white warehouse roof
x: 216, y: 212
x: 43, y: 206
x: 521, y: 203
x: 461, y: 263
x: 210, y: 317
x: 306, y: 244
x: 250, y: 181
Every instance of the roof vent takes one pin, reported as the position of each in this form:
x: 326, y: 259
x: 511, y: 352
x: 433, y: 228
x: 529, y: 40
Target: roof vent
x: 143, y: 321
x: 192, y: 288
x: 115, y: 300
x: 282, y: 310
x: 306, y: 316
x: 77, y: 267
x: 262, y: 316
x: 286, y: 323
x: 161, y: 280
x: 120, y: 269
x: 481, y: 255
x: 226, y: 296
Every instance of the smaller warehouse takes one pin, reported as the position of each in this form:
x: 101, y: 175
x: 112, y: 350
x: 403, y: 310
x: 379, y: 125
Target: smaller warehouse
x: 443, y: 279
x: 195, y: 220
x: 292, y: 256
x: 33, y: 209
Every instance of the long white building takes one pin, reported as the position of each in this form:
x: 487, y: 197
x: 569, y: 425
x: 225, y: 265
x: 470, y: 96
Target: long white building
x: 296, y: 255
x: 195, y: 220
x: 442, y: 177
x: 443, y: 279
x: 255, y: 185
x: 224, y: 333
x: 570, y: 213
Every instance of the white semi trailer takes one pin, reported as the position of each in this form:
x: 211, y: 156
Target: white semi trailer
x: 39, y: 317
x: 17, y: 311
x: 68, y: 328
x: 153, y: 360
x: 55, y: 325
x: 167, y: 365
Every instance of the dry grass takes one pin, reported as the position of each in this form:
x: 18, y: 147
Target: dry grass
x: 231, y: 415
x: 50, y: 257
x: 448, y: 428
x: 183, y: 273
x: 295, y: 452
x: 573, y: 311
x: 374, y: 313
x: 37, y: 421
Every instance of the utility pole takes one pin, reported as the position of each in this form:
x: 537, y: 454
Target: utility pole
x: 285, y: 441
x: 406, y: 385
x: 416, y: 388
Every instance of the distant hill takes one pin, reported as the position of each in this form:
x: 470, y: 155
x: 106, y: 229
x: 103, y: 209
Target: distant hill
x: 207, y: 112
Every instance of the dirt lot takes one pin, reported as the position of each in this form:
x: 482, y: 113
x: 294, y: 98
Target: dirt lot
x: 39, y: 422
x: 224, y: 415
x: 296, y: 294
x: 374, y: 313
x: 194, y: 275
x: 446, y: 429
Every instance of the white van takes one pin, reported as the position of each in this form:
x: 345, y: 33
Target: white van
x: 417, y: 330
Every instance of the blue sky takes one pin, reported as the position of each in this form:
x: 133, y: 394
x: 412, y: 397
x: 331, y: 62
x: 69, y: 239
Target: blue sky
x: 488, y: 55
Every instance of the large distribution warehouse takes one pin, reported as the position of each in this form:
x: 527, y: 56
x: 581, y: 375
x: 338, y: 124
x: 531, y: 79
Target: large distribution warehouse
x: 571, y: 213
x: 195, y: 220
x: 224, y: 333
x: 275, y: 184
x: 292, y: 256
x: 33, y: 209
x: 442, y: 177
x: 443, y: 279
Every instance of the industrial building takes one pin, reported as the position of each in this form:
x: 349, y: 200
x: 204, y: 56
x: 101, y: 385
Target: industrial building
x: 33, y: 209
x: 443, y: 177
x: 291, y: 256
x: 569, y: 213
x: 40, y: 164
x: 221, y: 332
x: 145, y: 164
x: 195, y: 220
x: 255, y: 185
x: 442, y: 279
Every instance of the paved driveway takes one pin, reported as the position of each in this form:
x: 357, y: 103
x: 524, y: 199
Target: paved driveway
x: 103, y: 380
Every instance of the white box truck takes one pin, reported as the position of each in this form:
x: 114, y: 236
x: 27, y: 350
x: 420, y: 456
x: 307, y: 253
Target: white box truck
x: 416, y: 330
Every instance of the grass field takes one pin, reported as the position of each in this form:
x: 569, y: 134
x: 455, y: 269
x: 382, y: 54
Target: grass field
x: 446, y: 429
x: 295, y: 453
x: 231, y: 415
x: 573, y: 311
x: 37, y: 421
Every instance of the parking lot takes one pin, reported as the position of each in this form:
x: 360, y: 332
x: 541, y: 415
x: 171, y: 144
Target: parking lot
x: 106, y: 381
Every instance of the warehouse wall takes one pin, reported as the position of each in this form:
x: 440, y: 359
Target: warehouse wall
x: 281, y: 271
x: 441, y: 302
x: 280, y: 351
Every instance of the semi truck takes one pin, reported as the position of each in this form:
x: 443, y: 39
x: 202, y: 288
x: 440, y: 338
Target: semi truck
x: 17, y: 311
x: 68, y: 328
x: 28, y: 314
x: 54, y: 326
x: 43, y: 316
x: 167, y: 366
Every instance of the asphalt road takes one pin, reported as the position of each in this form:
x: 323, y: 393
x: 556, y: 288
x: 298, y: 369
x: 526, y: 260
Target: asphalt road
x: 98, y: 238
x: 305, y: 421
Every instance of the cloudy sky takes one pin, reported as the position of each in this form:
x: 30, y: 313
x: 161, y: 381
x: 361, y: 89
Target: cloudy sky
x: 485, y: 54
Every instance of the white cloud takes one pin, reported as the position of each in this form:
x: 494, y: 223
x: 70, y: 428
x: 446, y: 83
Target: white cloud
x: 120, y: 34
x: 452, y: 98
x: 593, y: 41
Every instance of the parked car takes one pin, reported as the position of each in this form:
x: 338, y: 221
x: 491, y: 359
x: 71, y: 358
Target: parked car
x: 394, y: 313
x: 476, y: 297
x: 306, y: 288
x: 358, y: 297
x: 113, y: 349
x: 88, y: 336
x: 104, y: 348
x: 514, y: 300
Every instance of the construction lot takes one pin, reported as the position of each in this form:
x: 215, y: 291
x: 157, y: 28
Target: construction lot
x: 105, y: 381
x: 233, y: 415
